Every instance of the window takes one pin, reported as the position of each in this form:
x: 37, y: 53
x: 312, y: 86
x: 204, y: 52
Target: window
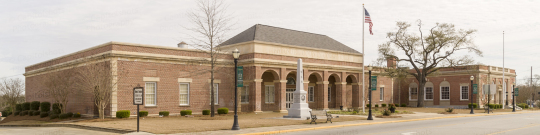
x: 216, y: 93
x: 381, y: 93
x: 150, y: 94
x: 245, y: 95
x: 465, y: 92
x: 329, y: 93
x: 269, y: 94
x: 414, y: 93
x: 184, y: 94
x: 311, y: 94
x: 445, y: 93
x: 429, y: 93
x: 290, y: 81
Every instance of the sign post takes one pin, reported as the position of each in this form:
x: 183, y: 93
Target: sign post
x: 373, y: 82
x: 240, y: 77
x: 138, y: 100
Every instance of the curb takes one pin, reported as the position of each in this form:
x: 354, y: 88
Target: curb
x: 373, y: 123
x: 120, y: 131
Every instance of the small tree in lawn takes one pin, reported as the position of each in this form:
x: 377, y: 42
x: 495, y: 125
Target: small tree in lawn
x: 210, y: 25
x: 425, y: 53
x: 399, y: 72
x: 60, y: 85
x: 12, y: 91
x: 100, y: 80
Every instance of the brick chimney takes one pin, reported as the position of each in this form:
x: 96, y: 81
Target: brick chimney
x: 391, y: 62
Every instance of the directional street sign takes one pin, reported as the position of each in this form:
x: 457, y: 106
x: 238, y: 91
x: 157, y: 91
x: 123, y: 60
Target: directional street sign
x: 373, y: 82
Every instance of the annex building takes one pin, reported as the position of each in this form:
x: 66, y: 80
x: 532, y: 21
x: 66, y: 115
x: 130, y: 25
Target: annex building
x: 176, y: 78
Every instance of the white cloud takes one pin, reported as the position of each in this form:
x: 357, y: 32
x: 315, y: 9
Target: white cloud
x: 36, y: 31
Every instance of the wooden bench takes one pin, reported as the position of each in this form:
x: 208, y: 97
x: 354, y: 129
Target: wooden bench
x: 486, y: 109
x: 313, y: 117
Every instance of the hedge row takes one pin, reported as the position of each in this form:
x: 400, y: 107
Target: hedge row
x: 185, y: 112
x: 164, y: 113
x: 523, y: 105
x: 126, y: 113
x: 122, y: 114
x: 495, y: 106
x: 473, y: 104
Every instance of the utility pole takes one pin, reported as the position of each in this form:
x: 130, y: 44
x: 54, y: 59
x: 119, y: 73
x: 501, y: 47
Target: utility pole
x: 534, y: 91
x: 504, y: 81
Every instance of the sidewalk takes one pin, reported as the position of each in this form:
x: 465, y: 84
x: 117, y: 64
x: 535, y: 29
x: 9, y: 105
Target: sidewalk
x: 405, y: 118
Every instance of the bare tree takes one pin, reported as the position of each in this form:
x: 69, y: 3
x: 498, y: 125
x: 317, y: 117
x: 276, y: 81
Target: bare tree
x: 211, y: 24
x: 60, y: 85
x: 527, y: 91
x: 399, y: 73
x: 12, y: 91
x: 99, y: 79
x: 425, y: 53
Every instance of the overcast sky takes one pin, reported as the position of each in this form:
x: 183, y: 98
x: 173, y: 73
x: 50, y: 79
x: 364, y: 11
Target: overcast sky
x: 36, y: 31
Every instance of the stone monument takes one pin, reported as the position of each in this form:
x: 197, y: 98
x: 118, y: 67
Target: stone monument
x: 299, y: 108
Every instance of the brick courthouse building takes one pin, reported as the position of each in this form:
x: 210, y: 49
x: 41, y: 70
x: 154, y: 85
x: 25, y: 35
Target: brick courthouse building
x: 173, y: 81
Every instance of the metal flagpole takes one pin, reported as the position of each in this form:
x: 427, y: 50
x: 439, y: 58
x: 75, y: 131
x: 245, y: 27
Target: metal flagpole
x: 504, y: 81
x: 363, y: 55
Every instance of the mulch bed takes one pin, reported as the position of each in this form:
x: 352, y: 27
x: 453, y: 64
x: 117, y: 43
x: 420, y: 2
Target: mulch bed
x: 448, y: 113
x: 46, y: 119
x: 391, y: 116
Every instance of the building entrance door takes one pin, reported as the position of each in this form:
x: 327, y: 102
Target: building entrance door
x: 289, y: 97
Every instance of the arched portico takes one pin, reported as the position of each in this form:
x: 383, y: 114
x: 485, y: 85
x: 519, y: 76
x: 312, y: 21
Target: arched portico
x: 315, y: 91
x: 353, y: 89
x: 334, y: 90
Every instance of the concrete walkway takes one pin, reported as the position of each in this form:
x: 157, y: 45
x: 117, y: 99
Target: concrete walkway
x: 292, y: 128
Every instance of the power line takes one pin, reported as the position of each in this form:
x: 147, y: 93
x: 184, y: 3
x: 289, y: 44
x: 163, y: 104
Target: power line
x: 10, y: 76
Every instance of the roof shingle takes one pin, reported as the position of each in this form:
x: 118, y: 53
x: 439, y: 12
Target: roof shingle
x: 289, y: 37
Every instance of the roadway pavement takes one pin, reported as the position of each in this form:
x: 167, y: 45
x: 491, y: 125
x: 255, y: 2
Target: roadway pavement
x: 49, y: 131
x: 506, y: 124
x: 510, y: 124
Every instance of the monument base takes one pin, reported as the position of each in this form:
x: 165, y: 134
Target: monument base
x: 299, y: 116
x: 298, y: 110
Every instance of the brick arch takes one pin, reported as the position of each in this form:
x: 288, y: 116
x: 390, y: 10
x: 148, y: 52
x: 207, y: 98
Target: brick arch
x: 284, y: 76
x: 354, y: 78
x: 272, y: 71
x: 317, y: 74
x: 335, y: 75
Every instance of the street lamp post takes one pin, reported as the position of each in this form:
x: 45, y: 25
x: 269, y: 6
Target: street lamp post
x: 236, y: 54
x: 513, y: 99
x: 369, y: 89
x: 472, y: 106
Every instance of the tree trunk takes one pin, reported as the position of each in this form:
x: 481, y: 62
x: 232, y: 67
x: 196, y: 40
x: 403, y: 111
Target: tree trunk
x: 421, y: 84
x: 212, y: 97
x: 421, y: 94
x: 101, y: 111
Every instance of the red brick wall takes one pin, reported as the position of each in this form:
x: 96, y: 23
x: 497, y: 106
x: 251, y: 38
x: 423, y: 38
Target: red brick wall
x: 80, y: 101
x: 168, y: 86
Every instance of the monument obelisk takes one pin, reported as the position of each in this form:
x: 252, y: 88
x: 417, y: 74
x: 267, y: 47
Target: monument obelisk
x: 299, y: 108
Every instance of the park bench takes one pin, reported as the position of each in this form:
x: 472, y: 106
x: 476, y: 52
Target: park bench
x: 313, y: 117
x: 486, y: 109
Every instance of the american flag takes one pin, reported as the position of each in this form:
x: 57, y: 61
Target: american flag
x: 368, y: 20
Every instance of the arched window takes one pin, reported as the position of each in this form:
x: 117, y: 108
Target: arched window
x: 413, y: 91
x: 445, y: 90
x: 291, y: 81
x: 428, y: 90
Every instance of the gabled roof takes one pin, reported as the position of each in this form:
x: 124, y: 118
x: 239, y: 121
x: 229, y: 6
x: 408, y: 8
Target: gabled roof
x: 272, y: 34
